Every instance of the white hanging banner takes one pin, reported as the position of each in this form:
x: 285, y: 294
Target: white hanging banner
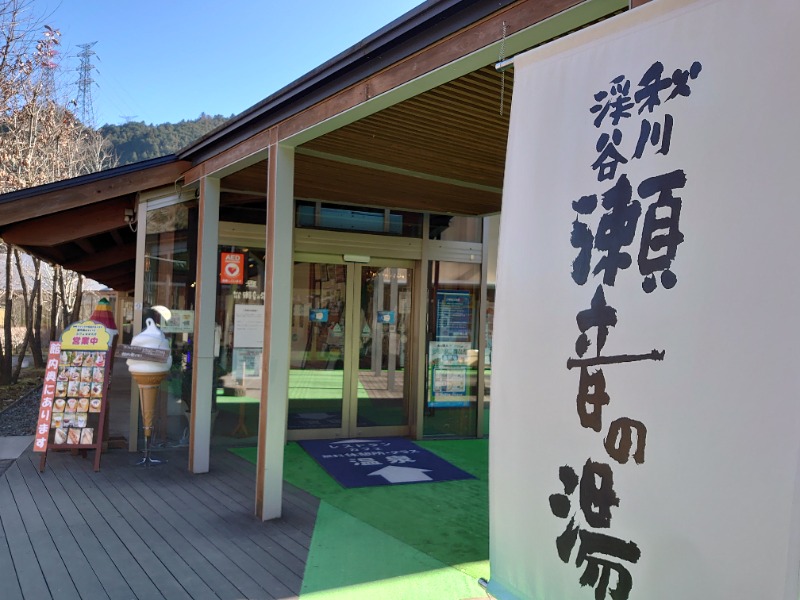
x: 645, y: 428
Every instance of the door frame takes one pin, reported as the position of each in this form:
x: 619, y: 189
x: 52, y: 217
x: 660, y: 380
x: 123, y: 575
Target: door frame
x: 349, y: 426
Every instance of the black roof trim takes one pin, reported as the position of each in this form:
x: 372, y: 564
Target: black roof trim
x: 89, y: 178
x: 410, y: 33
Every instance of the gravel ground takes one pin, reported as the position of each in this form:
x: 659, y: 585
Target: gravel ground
x: 20, y: 418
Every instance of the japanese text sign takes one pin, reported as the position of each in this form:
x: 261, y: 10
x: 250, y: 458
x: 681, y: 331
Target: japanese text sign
x: 652, y: 394
x: 85, y: 335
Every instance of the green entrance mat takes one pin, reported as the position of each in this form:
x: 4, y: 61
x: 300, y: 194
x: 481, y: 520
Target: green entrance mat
x: 436, y: 533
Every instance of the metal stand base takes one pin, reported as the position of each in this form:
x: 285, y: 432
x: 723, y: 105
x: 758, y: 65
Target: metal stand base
x: 147, y: 460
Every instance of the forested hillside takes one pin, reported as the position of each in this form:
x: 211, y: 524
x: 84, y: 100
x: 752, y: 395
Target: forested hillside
x: 135, y: 141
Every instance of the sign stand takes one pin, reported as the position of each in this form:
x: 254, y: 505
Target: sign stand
x: 72, y: 412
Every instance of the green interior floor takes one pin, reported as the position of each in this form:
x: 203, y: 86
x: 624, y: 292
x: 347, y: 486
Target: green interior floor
x: 447, y: 522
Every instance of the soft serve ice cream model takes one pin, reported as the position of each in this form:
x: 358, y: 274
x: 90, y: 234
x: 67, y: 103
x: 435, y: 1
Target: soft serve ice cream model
x: 148, y: 376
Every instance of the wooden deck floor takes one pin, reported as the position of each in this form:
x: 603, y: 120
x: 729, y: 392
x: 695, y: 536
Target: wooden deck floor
x: 133, y: 532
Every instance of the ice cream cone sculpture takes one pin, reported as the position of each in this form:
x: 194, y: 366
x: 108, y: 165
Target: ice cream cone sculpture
x: 148, y: 376
x: 148, y: 395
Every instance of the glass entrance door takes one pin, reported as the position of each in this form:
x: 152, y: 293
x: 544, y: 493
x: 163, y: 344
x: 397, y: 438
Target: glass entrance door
x: 350, y: 369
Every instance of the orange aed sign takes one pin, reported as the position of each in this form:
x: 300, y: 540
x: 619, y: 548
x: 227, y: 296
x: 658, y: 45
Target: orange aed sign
x: 231, y: 268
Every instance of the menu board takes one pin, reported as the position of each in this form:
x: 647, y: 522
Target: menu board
x: 73, y: 405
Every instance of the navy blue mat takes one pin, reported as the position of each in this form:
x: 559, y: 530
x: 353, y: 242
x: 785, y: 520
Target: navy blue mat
x: 380, y: 461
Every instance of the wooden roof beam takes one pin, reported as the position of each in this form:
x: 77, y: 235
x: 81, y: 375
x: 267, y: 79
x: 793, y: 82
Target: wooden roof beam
x: 85, y: 245
x: 121, y: 271
x: 104, y: 186
x: 122, y: 283
x: 69, y: 226
x: 107, y: 258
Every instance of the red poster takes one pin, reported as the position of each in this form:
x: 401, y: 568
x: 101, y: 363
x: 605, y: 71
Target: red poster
x: 231, y: 268
x: 48, y: 395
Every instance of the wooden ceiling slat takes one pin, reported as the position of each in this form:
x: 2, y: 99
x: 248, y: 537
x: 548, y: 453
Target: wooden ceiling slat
x: 459, y: 168
x: 457, y: 158
x: 429, y: 161
x: 446, y: 118
x: 452, y: 114
x: 253, y: 177
x: 454, y: 131
x: 483, y: 111
x: 434, y: 126
x: 332, y: 181
x: 398, y: 140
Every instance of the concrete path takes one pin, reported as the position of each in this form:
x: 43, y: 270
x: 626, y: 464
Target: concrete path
x: 12, y: 448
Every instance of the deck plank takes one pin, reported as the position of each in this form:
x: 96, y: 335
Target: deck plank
x: 253, y: 537
x: 74, y: 544
x: 247, y: 563
x: 168, y: 570
x: 240, y: 566
x: 114, y: 584
x: 141, y: 533
x: 238, y: 469
x: 57, y: 575
x: 198, y: 575
x: 29, y: 576
x: 105, y: 522
x: 8, y: 575
x: 285, y: 539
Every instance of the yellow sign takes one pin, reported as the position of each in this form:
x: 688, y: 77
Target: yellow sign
x: 85, y: 335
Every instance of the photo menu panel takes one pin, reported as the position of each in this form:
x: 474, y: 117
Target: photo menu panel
x: 79, y: 398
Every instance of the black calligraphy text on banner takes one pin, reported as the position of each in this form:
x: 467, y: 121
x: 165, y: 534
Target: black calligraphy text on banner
x: 604, y: 232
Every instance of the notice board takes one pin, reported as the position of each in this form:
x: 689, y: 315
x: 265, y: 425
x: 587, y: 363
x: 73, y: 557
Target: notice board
x: 74, y: 393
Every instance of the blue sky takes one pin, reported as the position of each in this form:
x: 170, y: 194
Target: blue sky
x: 162, y: 61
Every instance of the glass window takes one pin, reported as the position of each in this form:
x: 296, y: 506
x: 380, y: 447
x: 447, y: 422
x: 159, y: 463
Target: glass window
x: 456, y: 229
x: 452, y: 353
x: 238, y: 343
x: 319, y: 215
x: 412, y: 223
x: 168, y: 298
x: 487, y: 359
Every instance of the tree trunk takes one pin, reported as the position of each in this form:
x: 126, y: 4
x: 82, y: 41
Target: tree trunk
x: 2, y: 341
x: 36, y: 337
x: 29, y: 301
x: 65, y: 320
x: 23, y: 349
x: 76, y: 305
x: 54, y: 304
x: 36, y: 340
x: 5, y: 363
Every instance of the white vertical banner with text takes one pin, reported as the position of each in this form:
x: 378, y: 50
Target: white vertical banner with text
x: 645, y: 432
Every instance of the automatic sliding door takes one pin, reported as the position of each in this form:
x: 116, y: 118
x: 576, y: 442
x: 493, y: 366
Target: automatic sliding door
x: 384, y: 365
x: 350, y: 368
